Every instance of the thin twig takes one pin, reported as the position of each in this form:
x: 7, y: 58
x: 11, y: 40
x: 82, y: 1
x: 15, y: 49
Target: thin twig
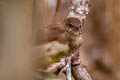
x: 58, y: 65
x: 68, y: 73
x: 68, y: 69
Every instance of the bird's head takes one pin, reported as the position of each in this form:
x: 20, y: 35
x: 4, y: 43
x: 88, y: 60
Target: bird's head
x: 73, y: 26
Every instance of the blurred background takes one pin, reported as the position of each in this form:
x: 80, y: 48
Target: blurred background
x: 20, y: 51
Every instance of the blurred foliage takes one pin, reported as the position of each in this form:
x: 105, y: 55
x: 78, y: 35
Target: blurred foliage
x: 52, y: 52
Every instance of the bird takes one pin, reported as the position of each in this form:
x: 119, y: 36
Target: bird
x: 69, y: 32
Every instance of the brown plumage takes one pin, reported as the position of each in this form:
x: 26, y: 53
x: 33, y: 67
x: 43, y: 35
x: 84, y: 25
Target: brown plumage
x: 68, y: 32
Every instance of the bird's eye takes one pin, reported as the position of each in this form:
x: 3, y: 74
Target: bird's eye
x: 69, y: 25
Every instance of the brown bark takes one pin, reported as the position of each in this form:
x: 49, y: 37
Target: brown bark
x: 79, y: 70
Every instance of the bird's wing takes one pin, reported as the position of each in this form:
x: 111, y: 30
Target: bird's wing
x: 53, y: 32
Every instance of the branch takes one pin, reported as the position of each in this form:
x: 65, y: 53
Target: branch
x: 80, y: 73
x: 79, y: 9
x: 73, y: 62
x: 79, y: 70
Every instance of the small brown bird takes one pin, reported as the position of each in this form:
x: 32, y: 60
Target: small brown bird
x: 68, y: 32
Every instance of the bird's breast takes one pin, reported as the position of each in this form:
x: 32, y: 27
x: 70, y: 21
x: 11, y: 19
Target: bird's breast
x: 76, y: 42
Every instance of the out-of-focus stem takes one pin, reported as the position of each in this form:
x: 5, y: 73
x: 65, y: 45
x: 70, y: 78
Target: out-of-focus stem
x: 56, y: 11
